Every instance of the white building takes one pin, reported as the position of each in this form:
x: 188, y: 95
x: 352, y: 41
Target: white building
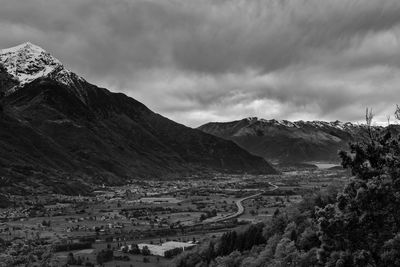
x: 174, y: 244
x: 159, y: 250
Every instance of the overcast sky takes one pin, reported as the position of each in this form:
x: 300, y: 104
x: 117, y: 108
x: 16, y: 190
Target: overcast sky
x: 199, y: 61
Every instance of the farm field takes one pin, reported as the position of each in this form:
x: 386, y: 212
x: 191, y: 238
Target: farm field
x: 153, y: 212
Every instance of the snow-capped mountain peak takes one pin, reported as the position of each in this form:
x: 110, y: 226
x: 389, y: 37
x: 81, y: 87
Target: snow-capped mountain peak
x: 27, y: 62
x: 299, y: 124
x: 27, y: 47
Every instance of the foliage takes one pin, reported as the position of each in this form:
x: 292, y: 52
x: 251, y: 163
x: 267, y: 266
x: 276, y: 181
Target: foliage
x: 134, y: 249
x: 359, y: 228
x: 290, y: 239
x: 105, y: 256
x: 172, y: 253
x: 145, y: 251
x: 72, y: 246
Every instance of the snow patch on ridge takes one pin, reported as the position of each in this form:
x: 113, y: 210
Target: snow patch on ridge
x: 27, y: 62
x: 298, y: 124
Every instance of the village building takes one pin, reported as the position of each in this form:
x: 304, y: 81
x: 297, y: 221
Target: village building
x: 160, y: 250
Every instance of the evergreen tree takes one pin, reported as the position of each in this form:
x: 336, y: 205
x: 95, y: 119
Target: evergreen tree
x: 354, y: 230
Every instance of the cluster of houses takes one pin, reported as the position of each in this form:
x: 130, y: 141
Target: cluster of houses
x: 13, y: 213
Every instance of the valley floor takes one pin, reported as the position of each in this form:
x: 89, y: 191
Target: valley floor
x: 148, y: 212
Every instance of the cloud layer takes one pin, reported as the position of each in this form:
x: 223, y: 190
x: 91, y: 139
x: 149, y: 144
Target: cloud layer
x: 218, y: 60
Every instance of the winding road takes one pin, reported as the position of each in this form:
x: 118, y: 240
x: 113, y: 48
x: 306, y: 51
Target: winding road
x: 239, y: 205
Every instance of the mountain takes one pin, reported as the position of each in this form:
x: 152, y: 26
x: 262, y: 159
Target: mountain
x: 285, y: 141
x: 58, y: 132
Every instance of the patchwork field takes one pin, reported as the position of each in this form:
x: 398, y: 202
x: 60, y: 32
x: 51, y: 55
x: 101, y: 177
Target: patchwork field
x: 182, y: 210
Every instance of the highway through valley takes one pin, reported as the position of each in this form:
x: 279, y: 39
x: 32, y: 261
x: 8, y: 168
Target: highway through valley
x: 239, y: 205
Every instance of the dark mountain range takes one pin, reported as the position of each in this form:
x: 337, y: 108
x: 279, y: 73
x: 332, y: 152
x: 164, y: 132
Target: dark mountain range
x: 58, y: 131
x: 286, y: 141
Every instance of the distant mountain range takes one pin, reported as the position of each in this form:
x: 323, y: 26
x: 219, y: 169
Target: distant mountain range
x: 59, y: 132
x: 285, y: 141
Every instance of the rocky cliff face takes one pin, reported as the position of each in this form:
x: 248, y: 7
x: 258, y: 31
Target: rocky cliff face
x: 7, y: 81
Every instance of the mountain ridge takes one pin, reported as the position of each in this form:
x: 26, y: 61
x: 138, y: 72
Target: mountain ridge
x: 27, y: 62
x: 298, y: 123
x: 76, y: 132
x: 287, y: 141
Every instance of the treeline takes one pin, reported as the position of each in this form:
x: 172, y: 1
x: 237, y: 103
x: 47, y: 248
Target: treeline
x: 358, y: 226
x: 240, y: 241
x: 290, y: 239
x: 72, y: 246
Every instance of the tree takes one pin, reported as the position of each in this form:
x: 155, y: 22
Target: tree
x: 188, y: 259
x: 267, y: 255
x: 391, y: 252
x: 286, y: 253
x: 291, y: 232
x: 104, y: 256
x: 135, y: 249
x: 232, y: 260
x: 369, y: 115
x: 145, y: 251
x: 366, y: 215
x: 71, y: 259
x: 397, y: 112
x: 172, y: 253
x: 277, y: 225
x: 308, y: 239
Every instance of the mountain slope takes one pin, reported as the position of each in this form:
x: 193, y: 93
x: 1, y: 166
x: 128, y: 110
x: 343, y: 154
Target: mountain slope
x: 57, y: 126
x: 287, y: 141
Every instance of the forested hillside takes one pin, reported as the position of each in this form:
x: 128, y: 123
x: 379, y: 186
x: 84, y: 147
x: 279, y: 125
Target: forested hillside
x: 359, y: 226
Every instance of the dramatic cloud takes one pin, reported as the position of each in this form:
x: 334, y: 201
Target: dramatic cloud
x: 196, y: 61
